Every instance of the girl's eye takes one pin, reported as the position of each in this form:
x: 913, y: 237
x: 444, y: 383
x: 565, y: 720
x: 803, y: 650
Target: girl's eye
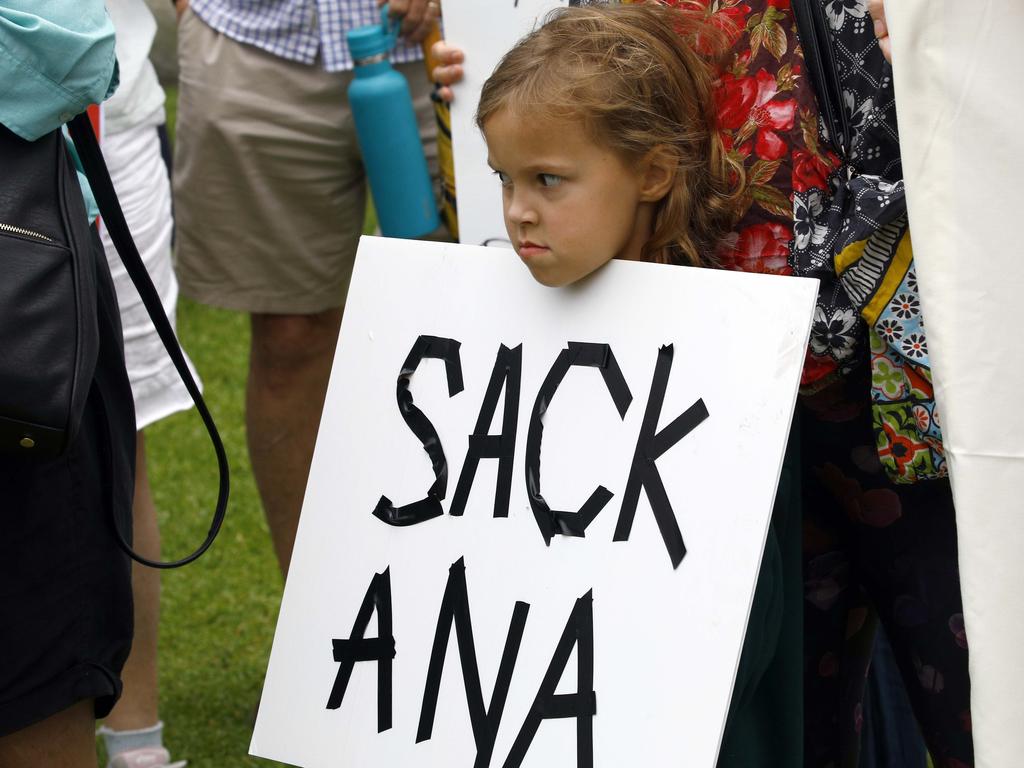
x: 503, y: 178
x: 549, y: 180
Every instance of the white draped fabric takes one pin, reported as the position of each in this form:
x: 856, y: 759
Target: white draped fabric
x: 959, y: 96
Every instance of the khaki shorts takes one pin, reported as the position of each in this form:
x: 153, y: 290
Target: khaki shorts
x: 270, y: 191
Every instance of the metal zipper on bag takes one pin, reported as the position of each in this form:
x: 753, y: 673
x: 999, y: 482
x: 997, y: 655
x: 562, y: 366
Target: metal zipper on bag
x: 24, y: 232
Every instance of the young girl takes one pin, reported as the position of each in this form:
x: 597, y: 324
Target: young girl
x: 600, y: 127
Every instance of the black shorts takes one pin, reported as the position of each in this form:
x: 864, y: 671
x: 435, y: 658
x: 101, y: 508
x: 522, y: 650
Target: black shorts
x: 65, y: 585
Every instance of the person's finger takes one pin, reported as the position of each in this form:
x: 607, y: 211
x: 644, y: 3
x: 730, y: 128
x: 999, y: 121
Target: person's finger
x: 433, y: 10
x: 445, y: 53
x: 877, y: 10
x: 886, y: 45
x: 422, y: 32
x: 400, y: 10
x: 415, y: 11
x: 417, y: 17
x: 447, y: 75
x: 446, y: 94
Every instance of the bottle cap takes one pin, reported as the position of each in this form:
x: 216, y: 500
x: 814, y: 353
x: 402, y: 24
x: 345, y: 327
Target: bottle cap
x: 374, y: 40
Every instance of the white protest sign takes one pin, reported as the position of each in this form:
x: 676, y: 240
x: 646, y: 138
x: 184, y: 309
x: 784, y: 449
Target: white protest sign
x: 656, y: 398
x: 484, y: 30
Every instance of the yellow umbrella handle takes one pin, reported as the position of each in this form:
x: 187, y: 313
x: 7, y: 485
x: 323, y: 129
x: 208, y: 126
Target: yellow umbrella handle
x: 445, y: 156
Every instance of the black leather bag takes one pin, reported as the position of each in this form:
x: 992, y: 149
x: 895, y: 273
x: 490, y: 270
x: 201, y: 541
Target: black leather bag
x: 48, y: 326
x: 48, y: 305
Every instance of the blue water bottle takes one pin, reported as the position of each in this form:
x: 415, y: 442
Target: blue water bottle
x: 389, y: 136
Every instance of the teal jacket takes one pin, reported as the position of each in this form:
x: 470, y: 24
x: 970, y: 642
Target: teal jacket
x: 56, y: 58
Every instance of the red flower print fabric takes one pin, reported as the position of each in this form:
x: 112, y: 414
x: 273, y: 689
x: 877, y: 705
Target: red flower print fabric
x: 753, y: 107
x: 802, y: 216
x: 768, y: 120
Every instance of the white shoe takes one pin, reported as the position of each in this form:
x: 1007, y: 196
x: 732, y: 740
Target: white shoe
x: 146, y: 757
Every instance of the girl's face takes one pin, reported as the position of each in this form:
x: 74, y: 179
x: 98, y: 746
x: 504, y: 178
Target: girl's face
x: 570, y: 204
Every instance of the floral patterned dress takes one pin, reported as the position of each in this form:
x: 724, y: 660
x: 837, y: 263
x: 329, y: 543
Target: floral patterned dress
x: 851, y: 234
x: 825, y: 199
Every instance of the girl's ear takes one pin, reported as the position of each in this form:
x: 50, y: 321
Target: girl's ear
x: 658, y: 170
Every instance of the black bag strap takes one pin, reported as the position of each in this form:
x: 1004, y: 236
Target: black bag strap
x: 113, y: 218
x: 820, y: 59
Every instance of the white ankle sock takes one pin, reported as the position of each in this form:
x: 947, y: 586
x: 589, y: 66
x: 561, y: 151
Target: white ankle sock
x: 122, y: 741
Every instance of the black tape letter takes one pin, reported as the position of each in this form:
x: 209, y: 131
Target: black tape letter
x: 380, y: 649
x: 597, y: 356
x: 429, y: 507
x: 508, y: 370
x: 455, y: 609
x: 579, y: 632
x: 650, y: 445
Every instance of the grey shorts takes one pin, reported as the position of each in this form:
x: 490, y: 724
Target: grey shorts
x: 270, y: 191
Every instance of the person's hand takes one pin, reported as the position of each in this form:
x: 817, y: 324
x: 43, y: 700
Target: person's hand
x: 418, y: 17
x: 179, y: 7
x: 877, y: 10
x: 449, y: 67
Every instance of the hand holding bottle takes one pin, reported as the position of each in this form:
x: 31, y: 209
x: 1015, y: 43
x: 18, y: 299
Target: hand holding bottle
x: 417, y: 16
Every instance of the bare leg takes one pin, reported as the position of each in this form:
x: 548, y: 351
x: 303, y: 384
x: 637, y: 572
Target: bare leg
x: 66, y: 739
x: 289, y: 366
x: 137, y: 707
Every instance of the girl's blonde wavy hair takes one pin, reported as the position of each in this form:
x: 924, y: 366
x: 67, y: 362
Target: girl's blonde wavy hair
x: 635, y: 77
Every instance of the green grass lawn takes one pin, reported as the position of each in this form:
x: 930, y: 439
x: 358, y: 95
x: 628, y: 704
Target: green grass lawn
x: 218, y: 613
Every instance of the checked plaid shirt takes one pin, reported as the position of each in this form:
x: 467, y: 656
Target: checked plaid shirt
x: 298, y: 30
